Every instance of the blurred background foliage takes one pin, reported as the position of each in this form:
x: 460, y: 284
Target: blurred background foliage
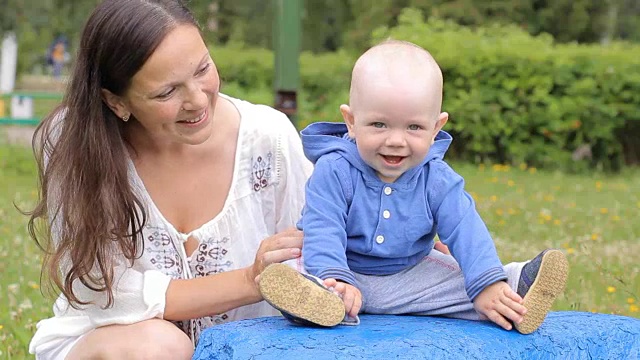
x: 551, y: 84
x: 329, y: 25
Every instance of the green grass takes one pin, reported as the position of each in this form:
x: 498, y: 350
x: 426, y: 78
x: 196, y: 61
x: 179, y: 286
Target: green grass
x: 21, y: 303
x: 594, y: 219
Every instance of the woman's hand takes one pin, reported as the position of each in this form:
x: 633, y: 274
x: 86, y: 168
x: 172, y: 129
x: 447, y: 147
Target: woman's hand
x: 280, y: 247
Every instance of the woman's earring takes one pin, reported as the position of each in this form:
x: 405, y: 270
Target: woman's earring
x: 126, y: 117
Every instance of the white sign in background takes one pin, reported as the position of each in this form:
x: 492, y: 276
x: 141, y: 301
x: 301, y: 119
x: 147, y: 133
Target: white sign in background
x: 8, y: 62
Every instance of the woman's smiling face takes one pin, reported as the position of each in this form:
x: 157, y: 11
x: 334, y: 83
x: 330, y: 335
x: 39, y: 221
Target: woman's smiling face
x: 173, y: 96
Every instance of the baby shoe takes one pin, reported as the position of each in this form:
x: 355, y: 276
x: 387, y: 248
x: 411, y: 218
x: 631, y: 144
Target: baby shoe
x: 541, y: 281
x: 301, y: 298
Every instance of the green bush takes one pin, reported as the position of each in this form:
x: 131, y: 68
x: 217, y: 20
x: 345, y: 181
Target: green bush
x: 512, y: 98
x: 249, y: 73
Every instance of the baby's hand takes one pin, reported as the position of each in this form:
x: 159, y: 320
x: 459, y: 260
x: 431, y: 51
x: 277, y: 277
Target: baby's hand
x: 498, y: 303
x: 350, y: 295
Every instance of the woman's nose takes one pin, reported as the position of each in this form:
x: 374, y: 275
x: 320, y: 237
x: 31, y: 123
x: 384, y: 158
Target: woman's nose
x: 196, y: 98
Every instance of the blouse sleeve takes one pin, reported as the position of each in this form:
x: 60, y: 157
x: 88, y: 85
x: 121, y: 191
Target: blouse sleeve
x: 137, y: 294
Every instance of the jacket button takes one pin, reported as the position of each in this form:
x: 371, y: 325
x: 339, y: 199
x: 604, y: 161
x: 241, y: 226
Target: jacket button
x: 380, y: 239
x: 386, y: 214
x: 387, y: 190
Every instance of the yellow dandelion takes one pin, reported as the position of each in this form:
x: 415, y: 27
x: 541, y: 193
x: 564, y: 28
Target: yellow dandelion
x: 510, y: 183
x: 496, y: 167
x: 611, y: 289
x: 545, y: 215
x: 33, y: 285
x: 474, y: 196
x: 638, y: 204
x: 1, y: 327
x: 633, y: 308
x: 502, y: 222
x: 572, y: 205
x: 556, y: 222
x: 565, y: 245
x: 604, y: 210
x: 594, y: 236
x: 615, y: 218
x: 549, y: 198
x: 499, y: 212
x: 571, y: 251
x: 511, y: 211
x: 631, y: 300
x: 598, y: 185
x: 493, y: 198
x: 481, y: 167
x: 532, y: 170
x: 523, y: 166
x: 494, y: 179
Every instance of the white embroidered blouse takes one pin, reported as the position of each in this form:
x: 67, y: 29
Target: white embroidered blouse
x: 266, y: 196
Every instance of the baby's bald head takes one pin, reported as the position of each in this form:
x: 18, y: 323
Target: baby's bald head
x: 398, y: 67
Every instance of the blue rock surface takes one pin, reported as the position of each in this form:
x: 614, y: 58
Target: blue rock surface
x: 564, y: 335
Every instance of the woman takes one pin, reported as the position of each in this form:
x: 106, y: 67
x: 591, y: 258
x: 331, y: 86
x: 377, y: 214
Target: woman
x: 165, y: 198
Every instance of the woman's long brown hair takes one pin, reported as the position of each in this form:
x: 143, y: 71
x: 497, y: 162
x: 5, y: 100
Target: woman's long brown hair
x: 86, y: 199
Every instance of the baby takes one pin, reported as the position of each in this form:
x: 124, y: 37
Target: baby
x: 379, y: 194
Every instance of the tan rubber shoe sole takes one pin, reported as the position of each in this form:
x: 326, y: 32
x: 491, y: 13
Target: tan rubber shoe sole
x: 287, y: 290
x: 548, y: 285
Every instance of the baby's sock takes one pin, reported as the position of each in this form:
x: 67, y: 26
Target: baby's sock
x: 513, y: 271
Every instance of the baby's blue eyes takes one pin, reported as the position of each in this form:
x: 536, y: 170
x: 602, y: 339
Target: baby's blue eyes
x: 380, y: 125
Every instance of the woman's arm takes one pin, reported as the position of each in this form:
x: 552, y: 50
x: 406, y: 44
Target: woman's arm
x: 218, y: 293
x: 209, y: 295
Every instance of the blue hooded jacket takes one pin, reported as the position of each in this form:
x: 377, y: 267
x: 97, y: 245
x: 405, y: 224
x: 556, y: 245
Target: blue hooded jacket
x: 355, y: 222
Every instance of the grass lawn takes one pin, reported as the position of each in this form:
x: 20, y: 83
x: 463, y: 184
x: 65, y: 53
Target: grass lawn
x: 594, y: 219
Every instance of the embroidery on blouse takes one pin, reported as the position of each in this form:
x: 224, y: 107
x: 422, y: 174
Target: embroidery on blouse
x: 209, y: 257
x: 261, y: 172
x: 163, y: 253
x: 199, y: 325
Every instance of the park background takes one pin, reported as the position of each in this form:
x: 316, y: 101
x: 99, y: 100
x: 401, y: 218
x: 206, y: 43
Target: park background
x: 544, y: 98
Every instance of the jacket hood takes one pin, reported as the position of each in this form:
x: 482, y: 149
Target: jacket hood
x: 321, y: 138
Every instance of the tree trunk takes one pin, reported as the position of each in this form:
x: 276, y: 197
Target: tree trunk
x: 611, y: 22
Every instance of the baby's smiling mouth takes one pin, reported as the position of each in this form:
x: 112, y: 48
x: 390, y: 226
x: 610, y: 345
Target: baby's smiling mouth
x: 393, y: 160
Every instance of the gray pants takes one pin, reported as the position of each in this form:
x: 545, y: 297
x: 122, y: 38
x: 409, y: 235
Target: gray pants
x: 435, y: 286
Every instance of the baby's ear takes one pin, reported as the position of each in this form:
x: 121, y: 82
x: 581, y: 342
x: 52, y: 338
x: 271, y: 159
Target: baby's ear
x: 347, y: 115
x: 442, y: 119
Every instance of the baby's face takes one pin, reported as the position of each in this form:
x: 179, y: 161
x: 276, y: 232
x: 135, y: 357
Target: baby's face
x: 394, y: 130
